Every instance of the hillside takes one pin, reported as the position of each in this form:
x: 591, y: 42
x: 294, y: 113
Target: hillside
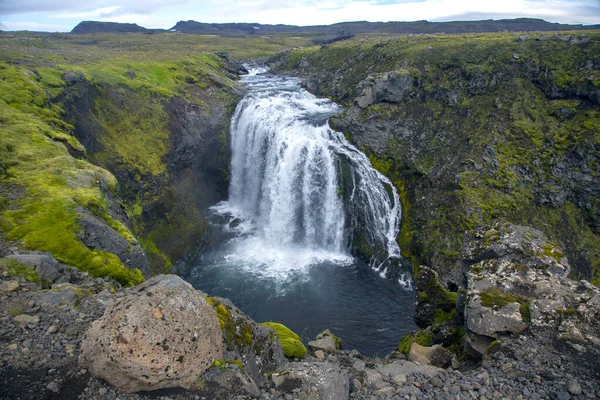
x: 474, y: 129
x: 107, y: 27
x: 339, y: 29
x: 119, y: 134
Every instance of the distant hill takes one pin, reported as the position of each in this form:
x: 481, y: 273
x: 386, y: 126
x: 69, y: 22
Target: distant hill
x: 340, y: 29
x: 106, y: 27
x: 344, y: 28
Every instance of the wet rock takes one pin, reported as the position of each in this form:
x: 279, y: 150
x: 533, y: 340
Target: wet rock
x: 161, y: 334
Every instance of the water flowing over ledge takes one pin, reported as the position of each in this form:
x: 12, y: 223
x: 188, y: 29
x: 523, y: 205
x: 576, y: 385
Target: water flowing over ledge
x: 302, y: 192
x: 301, y: 198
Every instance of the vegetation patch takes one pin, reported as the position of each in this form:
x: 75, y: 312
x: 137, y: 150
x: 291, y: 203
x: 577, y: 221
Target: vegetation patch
x: 237, y: 331
x: 290, y: 342
x: 422, y: 337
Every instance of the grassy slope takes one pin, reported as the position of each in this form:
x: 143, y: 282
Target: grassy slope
x: 515, y: 118
x: 34, y: 140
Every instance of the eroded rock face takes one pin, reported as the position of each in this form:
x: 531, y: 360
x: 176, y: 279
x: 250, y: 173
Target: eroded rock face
x: 162, y: 334
x: 517, y: 278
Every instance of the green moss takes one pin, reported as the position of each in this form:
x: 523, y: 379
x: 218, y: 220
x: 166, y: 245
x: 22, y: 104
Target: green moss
x: 440, y: 316
x: 13, y: 268
x: 290, y: 342
x: 45, y: 218
x: 457, y: 340
x: 495, y: 298
x: 493, y: 345
x: 525, y: 312
x: 237, y: 332
x: 13, y: 311
x: 421, y: 337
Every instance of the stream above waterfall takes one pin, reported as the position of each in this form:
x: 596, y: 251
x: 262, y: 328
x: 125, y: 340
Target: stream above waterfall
x: 301, y: 200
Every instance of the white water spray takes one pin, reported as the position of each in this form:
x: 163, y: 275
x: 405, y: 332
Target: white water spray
x: 303, y: 191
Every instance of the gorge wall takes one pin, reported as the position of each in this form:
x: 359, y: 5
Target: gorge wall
x: 113, y: 146
x: 473, y: 129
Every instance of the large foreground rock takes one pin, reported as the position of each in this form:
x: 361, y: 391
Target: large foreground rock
x: 314, y: 381
x: 162, y: 334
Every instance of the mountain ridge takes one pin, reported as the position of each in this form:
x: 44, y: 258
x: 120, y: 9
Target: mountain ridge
x: 341, y: 28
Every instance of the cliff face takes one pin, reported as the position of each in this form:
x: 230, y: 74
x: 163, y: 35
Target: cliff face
x: 474, y: 129
x: 169, y: 151
x: 110, y: 161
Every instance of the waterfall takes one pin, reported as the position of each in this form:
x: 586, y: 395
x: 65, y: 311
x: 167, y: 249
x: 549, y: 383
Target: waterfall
x: 301, y: 188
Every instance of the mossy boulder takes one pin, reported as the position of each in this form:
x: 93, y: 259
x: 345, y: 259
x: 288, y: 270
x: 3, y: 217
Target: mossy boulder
x: 290, y: 342
x: 246, y: 340
x: 434, y: 303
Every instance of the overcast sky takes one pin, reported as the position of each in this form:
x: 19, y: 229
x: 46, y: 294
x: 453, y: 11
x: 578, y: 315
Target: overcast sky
x: 63, y: 15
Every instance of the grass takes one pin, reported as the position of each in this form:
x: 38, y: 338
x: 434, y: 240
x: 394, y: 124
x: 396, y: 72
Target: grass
x: 129, y: 81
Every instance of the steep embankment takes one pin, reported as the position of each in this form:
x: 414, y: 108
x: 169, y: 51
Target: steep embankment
x: 154, y: 111
x: 474, y: 129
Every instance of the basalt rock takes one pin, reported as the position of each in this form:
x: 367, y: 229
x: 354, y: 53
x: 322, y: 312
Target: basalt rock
x: 162, y: 334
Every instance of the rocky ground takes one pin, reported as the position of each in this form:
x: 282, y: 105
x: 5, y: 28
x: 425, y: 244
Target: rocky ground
x: 43, y: 326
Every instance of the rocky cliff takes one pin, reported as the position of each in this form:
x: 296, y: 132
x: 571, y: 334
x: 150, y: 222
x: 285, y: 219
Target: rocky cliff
x: 473, y: 129
x: 111, y: 153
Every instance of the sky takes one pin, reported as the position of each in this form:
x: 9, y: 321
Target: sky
x: 63, y: 15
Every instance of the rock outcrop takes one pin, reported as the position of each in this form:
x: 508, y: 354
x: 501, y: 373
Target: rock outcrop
x: 517, y: 279
x: 162, y: 334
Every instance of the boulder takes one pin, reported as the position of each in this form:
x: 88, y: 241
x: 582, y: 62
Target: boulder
x: 255, y: 345
x: 314, y: 381
x: 485, y: 320
x: 326, y: 343
x: 96, y: 234
x: 23, y: 320
x: 435, y: 355
x: 55, y: 298
x: 161, y: 334
x: 44, y: 264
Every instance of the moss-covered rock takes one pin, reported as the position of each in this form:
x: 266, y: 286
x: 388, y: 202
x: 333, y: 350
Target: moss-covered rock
x: 245, y: 340
x: 290, y: 342
x: 479, y: 135
x: 434, y: 303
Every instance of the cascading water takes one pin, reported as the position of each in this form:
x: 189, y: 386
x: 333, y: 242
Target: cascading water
x: 287, y: 174
x: 300, y: 198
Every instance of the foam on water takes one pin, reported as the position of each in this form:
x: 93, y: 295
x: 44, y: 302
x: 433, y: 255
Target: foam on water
x: 286, y: 184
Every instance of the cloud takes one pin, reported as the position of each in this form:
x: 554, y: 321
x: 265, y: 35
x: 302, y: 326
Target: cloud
x: 32, y: 26
x: 164, y: 13
x: 105, y: 12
